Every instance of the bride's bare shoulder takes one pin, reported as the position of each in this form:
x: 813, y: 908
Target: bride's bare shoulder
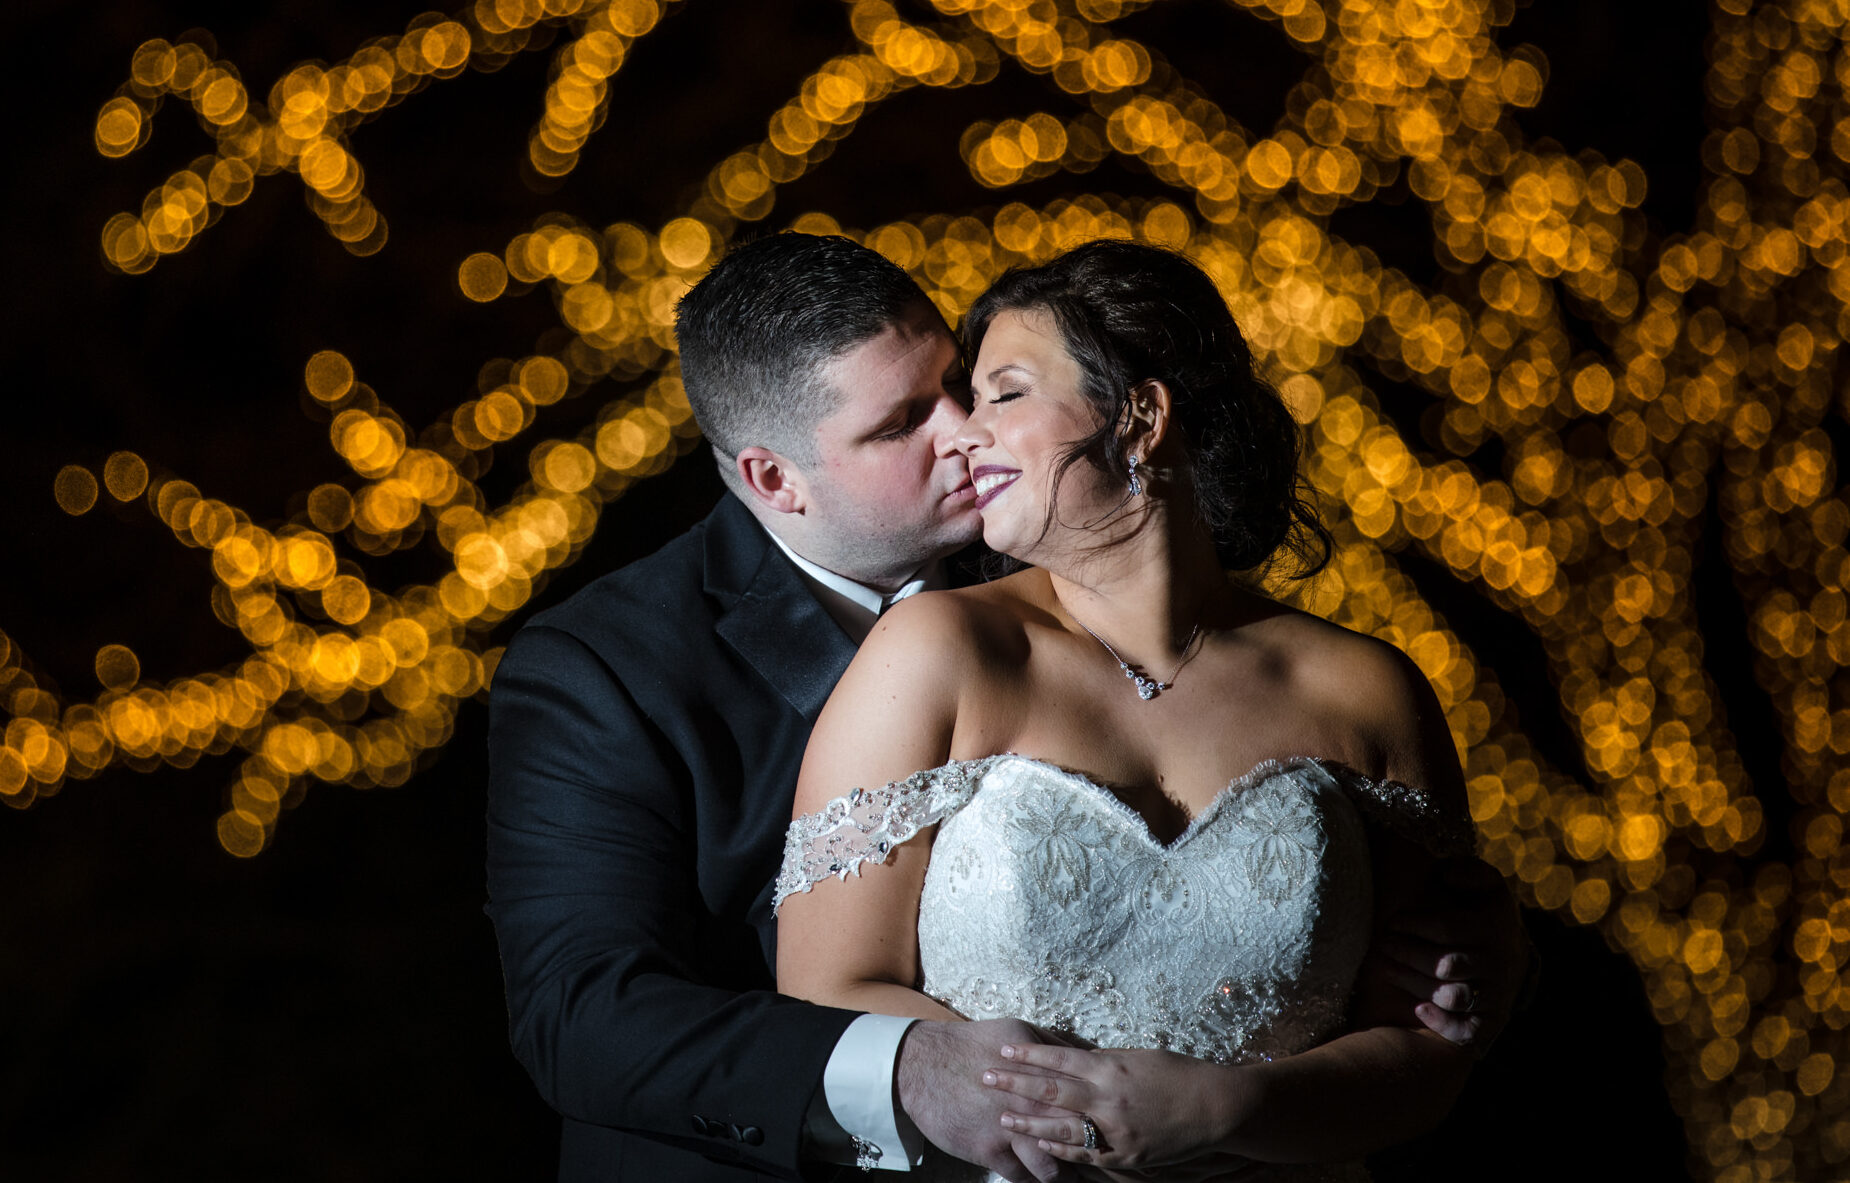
x: 1379, y: 692
x: 895, y: 711
x: 1324, y: 654
x: 925, y: 648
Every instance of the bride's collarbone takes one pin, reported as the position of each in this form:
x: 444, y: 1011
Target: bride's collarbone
x: 1170, y: 756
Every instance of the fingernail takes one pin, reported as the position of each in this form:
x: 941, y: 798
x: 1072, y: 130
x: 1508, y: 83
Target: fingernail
x: 989, y: 1078
x: 1008, y: 1123
x: 1008, y: 1051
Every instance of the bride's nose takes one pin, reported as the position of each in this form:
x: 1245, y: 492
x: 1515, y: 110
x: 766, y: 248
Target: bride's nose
x: 975, y: 432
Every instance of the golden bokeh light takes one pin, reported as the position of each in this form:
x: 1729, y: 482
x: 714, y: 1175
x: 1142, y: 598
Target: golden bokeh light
x: 117, y: 667
x: 1604, y: 409
x: 125, y: 475
x: 482, y: 277
x: 75, y: 489
x: 328, y: 376
x: 686, y: 243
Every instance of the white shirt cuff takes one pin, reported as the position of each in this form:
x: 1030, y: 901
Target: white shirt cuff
x: 858, y: 1085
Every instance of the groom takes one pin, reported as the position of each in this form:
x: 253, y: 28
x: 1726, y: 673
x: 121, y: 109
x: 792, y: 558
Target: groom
x: 645, y: 740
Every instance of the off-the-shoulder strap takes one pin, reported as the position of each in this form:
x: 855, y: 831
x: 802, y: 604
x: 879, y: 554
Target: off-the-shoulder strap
x: 864, y: 824
x: 1409, y: 812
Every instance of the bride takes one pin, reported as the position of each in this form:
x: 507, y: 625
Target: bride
x: 1159, y: 812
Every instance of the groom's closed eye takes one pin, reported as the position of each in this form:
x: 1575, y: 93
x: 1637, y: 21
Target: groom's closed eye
x: 911, y: 418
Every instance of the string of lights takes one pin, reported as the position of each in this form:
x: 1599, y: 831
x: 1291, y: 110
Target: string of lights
x: 1601, y: 400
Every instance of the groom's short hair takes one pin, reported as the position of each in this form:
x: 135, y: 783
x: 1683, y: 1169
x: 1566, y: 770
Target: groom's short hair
x: 757, y: 331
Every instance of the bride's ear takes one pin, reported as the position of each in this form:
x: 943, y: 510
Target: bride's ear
x: 1145, y: 423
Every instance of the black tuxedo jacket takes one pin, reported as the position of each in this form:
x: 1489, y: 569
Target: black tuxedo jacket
x: 644, y: 743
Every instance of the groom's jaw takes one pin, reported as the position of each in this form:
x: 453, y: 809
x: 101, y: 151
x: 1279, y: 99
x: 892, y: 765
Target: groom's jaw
x: 990, y: 480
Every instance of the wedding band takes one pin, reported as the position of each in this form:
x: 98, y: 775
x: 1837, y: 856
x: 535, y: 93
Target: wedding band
x: 1091, y: 1132
x: 1471, y: 1001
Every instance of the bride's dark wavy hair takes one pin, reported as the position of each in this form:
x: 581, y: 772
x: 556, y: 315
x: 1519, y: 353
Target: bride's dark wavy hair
x: 1128, y: 312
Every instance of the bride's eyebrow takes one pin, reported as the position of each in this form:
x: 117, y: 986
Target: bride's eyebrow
x: 1006, y: 368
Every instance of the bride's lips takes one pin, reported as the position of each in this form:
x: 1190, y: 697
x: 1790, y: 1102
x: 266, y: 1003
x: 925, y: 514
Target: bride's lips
x: 990, y: 480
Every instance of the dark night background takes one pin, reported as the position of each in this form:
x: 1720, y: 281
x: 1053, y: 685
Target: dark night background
x: 332, y: 1008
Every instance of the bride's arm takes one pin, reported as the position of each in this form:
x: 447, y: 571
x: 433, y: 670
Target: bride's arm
x: 1378, y: 1084
x: 853, y: 942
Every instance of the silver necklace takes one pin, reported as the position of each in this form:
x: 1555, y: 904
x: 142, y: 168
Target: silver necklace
x: 1147, y: 687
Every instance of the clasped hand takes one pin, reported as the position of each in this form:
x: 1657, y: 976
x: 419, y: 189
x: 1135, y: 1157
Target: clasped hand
x: 1151, y: 1109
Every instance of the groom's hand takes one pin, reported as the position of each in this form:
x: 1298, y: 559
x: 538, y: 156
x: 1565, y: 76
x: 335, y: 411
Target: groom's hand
x: 1461, y: 955
x: 941, y: 1089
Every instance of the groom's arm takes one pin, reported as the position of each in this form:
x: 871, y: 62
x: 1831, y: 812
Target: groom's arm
x: 1458, y: 959
x: 605, y: 945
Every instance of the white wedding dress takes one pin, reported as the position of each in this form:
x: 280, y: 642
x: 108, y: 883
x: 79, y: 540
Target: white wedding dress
x: 1048, y: 899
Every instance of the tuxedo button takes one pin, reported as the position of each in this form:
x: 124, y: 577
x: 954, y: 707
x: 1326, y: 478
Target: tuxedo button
x: 701, y: 1126
x: 751, y: 1135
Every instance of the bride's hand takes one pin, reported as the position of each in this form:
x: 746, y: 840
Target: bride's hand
x: 1148, y: 1108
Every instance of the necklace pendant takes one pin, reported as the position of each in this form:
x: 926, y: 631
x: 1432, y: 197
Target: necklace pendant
x: 1147, y: 687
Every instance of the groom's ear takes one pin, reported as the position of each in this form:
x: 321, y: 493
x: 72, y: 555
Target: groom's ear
x: 1146, y: 417
x: 771, y: 481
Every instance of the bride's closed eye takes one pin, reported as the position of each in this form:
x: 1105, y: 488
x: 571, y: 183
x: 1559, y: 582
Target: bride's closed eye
x: 1007, y: 396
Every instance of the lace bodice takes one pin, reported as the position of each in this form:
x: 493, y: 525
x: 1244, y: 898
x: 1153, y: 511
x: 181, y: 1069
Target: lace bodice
x: 1048, y: 899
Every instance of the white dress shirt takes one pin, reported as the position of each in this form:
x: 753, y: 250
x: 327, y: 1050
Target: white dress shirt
x: 855, y: 606
x: 856, y: 1117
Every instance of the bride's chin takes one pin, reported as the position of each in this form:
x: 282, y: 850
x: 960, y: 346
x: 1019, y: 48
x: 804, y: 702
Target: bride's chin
x: 1004, y: 541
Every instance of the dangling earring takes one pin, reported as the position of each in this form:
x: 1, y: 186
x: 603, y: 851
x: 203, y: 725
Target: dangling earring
x: 1136, y: 481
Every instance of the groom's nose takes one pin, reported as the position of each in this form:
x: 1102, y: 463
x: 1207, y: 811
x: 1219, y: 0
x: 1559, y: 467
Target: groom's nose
x: 948, y: 419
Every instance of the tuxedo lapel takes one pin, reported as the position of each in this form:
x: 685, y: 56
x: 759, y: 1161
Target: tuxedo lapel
x: 772, y: 621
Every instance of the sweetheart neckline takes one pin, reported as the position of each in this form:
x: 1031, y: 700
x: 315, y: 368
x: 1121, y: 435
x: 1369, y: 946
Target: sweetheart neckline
x: 1266, y: 770
x: 823, y: 843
